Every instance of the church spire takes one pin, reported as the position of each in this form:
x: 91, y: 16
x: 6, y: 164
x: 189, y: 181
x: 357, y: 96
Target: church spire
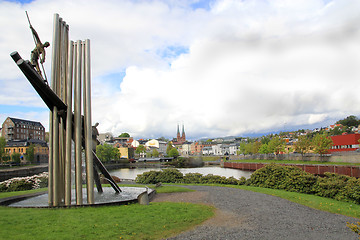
x: 183, y: 138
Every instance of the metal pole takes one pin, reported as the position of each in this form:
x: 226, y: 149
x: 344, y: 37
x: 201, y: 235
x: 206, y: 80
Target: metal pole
x: 51, y: 143
x: 68, y: 126
x: 56, y: 157
x: 77, y: 113
x: 88, y: 127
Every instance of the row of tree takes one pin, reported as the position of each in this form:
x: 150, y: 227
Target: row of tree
x: 319, y: 143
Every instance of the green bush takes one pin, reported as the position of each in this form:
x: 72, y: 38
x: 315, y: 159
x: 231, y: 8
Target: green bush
x: 25, y: 183
x: 20, y: 185
x: 283, y: 177
x: 170, y: 175
x: 148, y: 177
x: 193, y: 178
x: 332, y: 185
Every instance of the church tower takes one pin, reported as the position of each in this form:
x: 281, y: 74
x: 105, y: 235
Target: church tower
x: 183, y: 137
x: 178, y: 134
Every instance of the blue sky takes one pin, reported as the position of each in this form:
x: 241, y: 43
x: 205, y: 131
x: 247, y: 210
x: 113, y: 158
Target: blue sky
x: 221, y: 67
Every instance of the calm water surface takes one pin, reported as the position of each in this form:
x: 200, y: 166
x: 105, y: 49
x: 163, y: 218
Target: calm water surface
x: 131, y: 173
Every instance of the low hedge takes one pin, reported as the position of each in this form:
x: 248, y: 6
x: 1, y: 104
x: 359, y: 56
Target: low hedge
x: 172, y: 175
x: 290, y: 178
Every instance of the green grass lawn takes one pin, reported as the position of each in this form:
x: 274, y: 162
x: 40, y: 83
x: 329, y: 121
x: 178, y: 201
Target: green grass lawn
x: 293, y: 162
x: 154, y: 221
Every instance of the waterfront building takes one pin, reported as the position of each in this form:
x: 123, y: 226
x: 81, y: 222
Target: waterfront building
x: 41, y: 150
x: 20, y: 129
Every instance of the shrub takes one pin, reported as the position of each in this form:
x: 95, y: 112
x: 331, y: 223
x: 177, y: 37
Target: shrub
x: 24, y: 183
x: 170, y: 175
x: 147, y: 177
x: 283, y: 177
x: 193, y: 178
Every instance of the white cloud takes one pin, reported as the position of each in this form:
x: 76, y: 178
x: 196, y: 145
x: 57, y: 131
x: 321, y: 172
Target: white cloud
x: 252, y: 66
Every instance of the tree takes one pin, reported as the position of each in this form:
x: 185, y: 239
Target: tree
x: 30, y: 153
x: 140, y: 149
x: 155, y: 153
x: 321, y: 144
x: 107, y: 152
x: 15, y: 157
x: 2, y: 148
x: 276, y: 145
x: 173, y: 153
x: 168, y: 148
x: 302, y: 145
x: 264, y: 149
x: 350, y: 121
x: 124, y: 135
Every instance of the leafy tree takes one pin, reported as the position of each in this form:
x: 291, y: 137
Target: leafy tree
x: 321, y: 144
x: 168, y: 148
x: 15, y: 157
x: 107, y: 152
x: 30, y: 153
x: 155, y: 153
x: 264, y: 149
x: 209, y: 140
x: 265, y: 139
x: 124, y: 135
x: 350, y: 121
x: 173, y: 153
x: 2, y: 148
x: 276, y: 145
x: 140, y: 149
x: 338, y: 130
x: 242, y: 148
x: 302, y: 145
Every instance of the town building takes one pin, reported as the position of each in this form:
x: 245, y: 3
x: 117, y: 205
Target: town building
x: 20, y: 129
x: 41, y: 150
x: 345, y: 142
x: 105, y: 137
x: 160, y: 146
x: 180, y: 139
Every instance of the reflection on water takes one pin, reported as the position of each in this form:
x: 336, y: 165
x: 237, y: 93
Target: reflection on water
x: 131, y: 173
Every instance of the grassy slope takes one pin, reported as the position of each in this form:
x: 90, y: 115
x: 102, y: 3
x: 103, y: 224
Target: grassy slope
x: 294, y: 162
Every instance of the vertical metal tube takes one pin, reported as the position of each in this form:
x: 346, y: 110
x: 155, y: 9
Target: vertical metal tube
x: 51, y: 127
x: 69, y: 81
x: 56, y: 197
x: 88, y: 127
x: 77, y: 113
x: 62, y: 94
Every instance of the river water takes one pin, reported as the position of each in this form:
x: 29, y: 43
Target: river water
x: 131, y: 173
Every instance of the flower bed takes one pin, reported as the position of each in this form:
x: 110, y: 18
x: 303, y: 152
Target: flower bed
x: 25, y: 183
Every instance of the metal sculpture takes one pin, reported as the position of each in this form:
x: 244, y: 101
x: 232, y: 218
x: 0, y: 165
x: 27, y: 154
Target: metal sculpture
x: 70, y: 65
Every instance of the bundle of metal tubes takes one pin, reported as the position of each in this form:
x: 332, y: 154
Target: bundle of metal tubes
x: 70, y: 67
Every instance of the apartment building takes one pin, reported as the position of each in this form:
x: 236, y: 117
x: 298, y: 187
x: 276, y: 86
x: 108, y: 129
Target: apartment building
x: 20, y: 129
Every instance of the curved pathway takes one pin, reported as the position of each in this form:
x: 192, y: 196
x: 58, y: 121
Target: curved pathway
x: 249, y: 215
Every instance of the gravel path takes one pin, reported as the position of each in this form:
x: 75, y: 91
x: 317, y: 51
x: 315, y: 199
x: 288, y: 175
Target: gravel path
x: 249, y: 215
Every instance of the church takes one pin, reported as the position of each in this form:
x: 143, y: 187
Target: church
x: 180, y: 139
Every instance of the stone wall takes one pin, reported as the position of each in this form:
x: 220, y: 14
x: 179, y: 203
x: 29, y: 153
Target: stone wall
x: 22, y: 171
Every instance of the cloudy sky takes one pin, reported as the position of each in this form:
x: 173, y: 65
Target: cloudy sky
x: 220, y: 67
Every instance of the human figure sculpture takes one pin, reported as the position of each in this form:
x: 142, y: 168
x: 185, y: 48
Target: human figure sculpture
x: 94, y: 134
x: 38, y: 51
